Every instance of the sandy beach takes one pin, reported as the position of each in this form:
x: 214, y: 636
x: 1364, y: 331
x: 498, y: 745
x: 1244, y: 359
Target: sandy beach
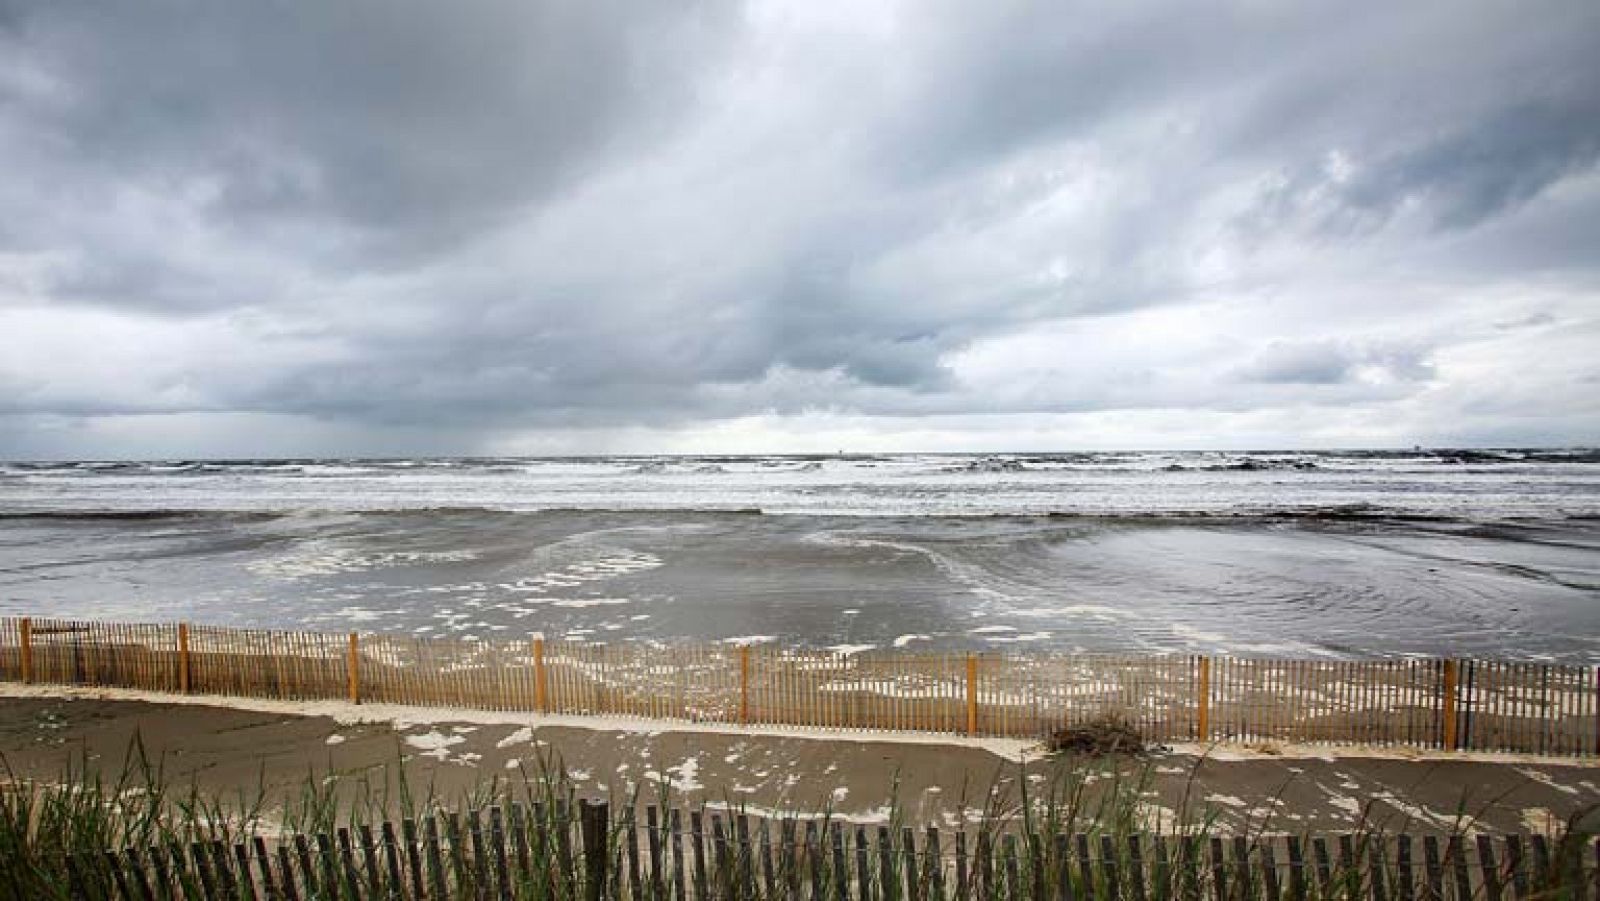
x: 226, y: 746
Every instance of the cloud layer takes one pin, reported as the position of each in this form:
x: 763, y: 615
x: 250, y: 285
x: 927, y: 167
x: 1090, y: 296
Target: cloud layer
x: 380, y: 227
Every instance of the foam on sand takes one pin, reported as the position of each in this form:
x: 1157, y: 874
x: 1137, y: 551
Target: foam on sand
x: 402, y: 717
x: 461, y: 720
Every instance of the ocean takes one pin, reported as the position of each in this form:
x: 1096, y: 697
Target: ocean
x: 1337, y: 554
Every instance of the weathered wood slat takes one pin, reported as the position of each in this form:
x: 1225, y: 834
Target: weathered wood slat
x: 1297, y: 868
x: 595, y: 823
x: 436, y: 877
x: 1241, y: 863
x: 722, y: 879
x: 408, y: 834
x: 653, y: 836
x: 497, y: 848
x: 630, y: 846
x: 1136, y: 885
x: 888, y: 878
x: 1516, y: 866
x: 1012, y: 876
x: 769, y: 876
x: 132, y: 859
x: 841, y: 873
x: 347, y: 865
x: 269, y: 884
x: 963, y: 876
x: 291, y: 886
x: 697, y: 848
x: 1086, y: 866
x: 202, y: 868
x: 678, y: 888
x: 309, y: 876
x: 369, y: 860
x: 1433, y: 869
x: 908, y: 856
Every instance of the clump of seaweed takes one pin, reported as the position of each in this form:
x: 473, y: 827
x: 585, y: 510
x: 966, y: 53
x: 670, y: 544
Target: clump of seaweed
x: 1105, y: 735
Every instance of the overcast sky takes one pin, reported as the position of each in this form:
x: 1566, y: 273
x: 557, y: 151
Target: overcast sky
x: 391, y: 227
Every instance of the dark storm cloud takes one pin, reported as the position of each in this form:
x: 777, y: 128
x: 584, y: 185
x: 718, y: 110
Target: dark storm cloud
x: 992, y: 78
x: 493, y: 216
x: 1461, y: 179
x: 1498, y: 164
x: 356, y: 134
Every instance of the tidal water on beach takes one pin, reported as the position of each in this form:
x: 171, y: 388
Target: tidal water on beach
x: 1342, y: 554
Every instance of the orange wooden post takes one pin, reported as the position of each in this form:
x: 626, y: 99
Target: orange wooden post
x: 972, y: 694
x: 1202, y: 726
x: 355, y: 670
x: 1448, y: 715
x: 744, y: 685
x: 183, y: 658
x: 541, y: 682
x: 25, y: 645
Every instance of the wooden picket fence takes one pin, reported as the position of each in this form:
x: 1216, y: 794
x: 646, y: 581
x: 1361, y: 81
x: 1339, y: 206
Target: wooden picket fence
x: 1448, y: 704
x: 542, y: 851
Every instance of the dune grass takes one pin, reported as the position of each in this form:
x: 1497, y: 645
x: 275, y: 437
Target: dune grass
x: 1087, y: 826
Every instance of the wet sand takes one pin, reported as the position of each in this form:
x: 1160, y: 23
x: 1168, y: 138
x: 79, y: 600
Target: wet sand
x: 227, y: 748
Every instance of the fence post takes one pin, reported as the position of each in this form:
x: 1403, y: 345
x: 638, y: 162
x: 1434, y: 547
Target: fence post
x: 594, y: 828
x: 183, y: 658
x: 744, y: 685
x: 25, y: 647
x: 1448, y: 714
x: 355, y: 670
x: 1202, y: 726
x: 972, y: 694
x: 541, y: 684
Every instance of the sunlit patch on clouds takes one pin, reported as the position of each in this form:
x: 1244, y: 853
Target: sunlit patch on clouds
x: 519, y: 227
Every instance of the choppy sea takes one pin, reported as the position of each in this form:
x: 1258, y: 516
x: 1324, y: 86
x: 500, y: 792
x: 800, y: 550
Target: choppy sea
x: 1483, y: 553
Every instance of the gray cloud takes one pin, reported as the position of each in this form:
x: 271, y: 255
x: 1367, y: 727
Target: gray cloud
x: 1500, y: 163
x: 1313, y: 364
x: 1461, y: 179
x: 1332, y: 363
x: 494, y: 222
